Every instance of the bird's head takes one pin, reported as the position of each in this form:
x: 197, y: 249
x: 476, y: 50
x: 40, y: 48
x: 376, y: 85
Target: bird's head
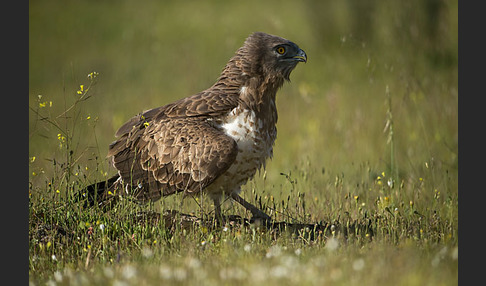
x: 271, y: 56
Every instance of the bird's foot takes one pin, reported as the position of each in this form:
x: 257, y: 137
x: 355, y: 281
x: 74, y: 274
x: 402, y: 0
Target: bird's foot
x: 260, y: 218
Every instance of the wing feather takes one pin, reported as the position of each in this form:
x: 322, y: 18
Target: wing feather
x: 172, y: 155
x: 174, y: 148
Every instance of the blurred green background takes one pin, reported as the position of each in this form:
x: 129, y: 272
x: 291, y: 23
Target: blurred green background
x: 331, y: 116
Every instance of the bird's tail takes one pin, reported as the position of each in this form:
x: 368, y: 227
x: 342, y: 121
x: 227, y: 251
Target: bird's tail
x: 100, y: 193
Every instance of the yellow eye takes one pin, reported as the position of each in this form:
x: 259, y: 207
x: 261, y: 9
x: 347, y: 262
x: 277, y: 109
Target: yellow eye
x: 281, y: 50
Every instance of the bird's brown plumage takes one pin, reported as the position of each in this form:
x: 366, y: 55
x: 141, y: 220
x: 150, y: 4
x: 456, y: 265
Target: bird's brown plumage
x: 215, y: 140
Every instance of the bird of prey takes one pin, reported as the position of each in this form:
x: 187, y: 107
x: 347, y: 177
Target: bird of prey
x: 213, y: 141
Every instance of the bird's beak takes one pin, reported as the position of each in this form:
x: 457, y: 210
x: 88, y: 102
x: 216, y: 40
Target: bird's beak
x: 301, y: 56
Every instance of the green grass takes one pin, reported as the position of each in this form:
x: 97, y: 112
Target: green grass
x: 367, y: 136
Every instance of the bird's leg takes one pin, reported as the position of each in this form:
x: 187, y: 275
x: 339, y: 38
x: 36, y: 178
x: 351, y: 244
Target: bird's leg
x: 256, y: 212
x: 217, y: 209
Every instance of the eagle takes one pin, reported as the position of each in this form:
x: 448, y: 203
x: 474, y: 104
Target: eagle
x: 211, y: 142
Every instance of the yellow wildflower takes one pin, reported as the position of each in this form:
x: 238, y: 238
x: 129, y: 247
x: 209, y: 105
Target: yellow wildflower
x: 81, y: 89
x: 92, y: 75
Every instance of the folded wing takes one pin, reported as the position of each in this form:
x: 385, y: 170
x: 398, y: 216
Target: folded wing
x: 161, y: 157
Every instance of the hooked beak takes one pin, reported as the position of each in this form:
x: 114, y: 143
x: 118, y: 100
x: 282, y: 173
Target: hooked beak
x: 301, y: 56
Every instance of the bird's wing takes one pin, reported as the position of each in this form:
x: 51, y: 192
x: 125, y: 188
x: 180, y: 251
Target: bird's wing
x: 161, y: 157
x: 214, y: 102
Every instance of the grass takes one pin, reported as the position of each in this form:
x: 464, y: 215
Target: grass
x: 367, y: 136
